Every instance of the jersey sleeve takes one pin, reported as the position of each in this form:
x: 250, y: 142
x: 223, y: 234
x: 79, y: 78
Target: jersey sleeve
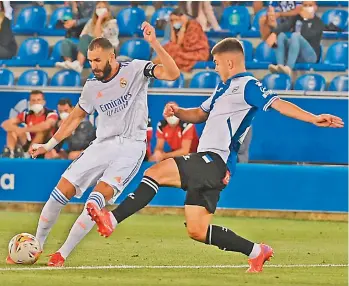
x: 52, y: 115
x: 188, y: 131
x: 206, y: 105
x: 21, y: 116
x: 84, y: 103
x: 257, y: 95
x: 147, y: 68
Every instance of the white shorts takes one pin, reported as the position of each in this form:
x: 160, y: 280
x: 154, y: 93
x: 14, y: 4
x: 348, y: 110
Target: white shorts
x: 114, y: 161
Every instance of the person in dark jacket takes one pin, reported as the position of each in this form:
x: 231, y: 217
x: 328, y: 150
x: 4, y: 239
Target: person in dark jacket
x: 8, y: 45
x: 303, y: 45
x: 78, y: 141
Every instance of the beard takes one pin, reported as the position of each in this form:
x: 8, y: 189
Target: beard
x: 105, y: 72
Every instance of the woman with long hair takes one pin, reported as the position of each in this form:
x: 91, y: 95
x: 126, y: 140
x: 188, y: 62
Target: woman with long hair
x: 188, y: 43
x: 102, y: 24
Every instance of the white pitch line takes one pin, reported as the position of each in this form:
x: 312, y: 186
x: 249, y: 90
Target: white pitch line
x: 28, y: 268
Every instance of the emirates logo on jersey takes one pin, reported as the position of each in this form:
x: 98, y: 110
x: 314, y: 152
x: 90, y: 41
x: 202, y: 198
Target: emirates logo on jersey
x: 116, y: 105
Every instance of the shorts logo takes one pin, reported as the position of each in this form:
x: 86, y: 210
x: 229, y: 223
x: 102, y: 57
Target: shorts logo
x: 226, y: 179
x: 118, y: 179
x: 123, y: 82
x: 186, y: 157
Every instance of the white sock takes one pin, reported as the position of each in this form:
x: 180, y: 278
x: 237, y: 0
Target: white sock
x: 82, y: 226
x: 256, y: 250
x: 49, y: 215
x: 80, y: 229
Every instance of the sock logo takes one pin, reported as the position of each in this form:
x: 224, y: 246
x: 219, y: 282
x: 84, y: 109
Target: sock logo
x: 7, y: 182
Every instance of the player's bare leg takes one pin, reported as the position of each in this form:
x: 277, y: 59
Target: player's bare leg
x: 164, y: 173
x: 199, y: 228
x: 83, y: 225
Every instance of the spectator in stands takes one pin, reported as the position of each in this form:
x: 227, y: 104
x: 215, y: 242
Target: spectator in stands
x: 180, y: 136
x: 188, y: 43
x: 278, y: 12
x: 8, y: 45
x: 202, y: 12
x: 78, y: 141
x: 82, y: 12
x: 304, y: 44
x: 149, y: 136
x: 102, y: 24
x: 39, y: 124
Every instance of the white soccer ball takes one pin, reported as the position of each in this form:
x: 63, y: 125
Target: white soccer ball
x: 24, y: 248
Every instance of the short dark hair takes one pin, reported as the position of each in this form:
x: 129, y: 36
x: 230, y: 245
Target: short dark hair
x: 64, y: 101
x: 179, y: 11
x: 36, y: 91
x: 228, y: 45
x: 100, y: 42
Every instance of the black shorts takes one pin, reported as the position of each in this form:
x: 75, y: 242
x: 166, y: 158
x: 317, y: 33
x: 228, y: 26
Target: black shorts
x: 203, y: 176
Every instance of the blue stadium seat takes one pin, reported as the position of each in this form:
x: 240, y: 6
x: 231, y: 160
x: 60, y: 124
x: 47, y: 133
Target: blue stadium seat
x: 58, y: 14
x: 30, y: 20
x: 33, y: 77
x: 31, y: 51
x: 310, y: 82
x: 339, y: 83
x: 254, y: 31
x: 337, y: 53
x: 178, y: 83
x: 263, y: 56
x: 277, y: 81
x: 236, y: 19
x: 162, y: 13
x: 6, y: 77
x: 336, y: 17
x: 135, y: 49
x: 130, y: 20
x: 248, y: 50
x: 66, y: 78
x: 205, y: 79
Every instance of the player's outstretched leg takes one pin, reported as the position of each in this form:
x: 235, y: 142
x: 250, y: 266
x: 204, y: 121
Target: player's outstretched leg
x: 164, y: 173
x: 82, y: 225
x: 199, y: 228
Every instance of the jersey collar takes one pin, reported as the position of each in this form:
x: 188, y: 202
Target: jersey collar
x: 242, y: 74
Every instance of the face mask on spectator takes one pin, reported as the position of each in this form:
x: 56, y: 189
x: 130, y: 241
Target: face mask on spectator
x: 101, y: 11
x: 177, y: 25
x: 172, y: 120
x: 309, y: 10
x: 36, y: 108
x: 64, y: 115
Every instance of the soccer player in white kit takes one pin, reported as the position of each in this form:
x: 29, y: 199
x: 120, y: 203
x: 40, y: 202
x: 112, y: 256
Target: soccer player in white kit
x: 119, y: 94
x: 228, y: 114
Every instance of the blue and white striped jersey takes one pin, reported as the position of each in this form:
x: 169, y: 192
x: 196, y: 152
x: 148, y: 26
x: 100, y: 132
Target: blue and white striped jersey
x: 231, y: 108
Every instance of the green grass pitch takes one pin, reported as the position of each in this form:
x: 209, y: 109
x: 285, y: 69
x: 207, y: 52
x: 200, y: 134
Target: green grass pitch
x: 149, y: 240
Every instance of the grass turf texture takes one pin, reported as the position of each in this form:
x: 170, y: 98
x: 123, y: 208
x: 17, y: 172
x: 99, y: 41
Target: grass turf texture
x: 150, y: 240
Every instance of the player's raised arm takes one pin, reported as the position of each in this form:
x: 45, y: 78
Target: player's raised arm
x: 291, y: 110
x: 65, y: 130
x: 168, y: 69
x: 190, y: 115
